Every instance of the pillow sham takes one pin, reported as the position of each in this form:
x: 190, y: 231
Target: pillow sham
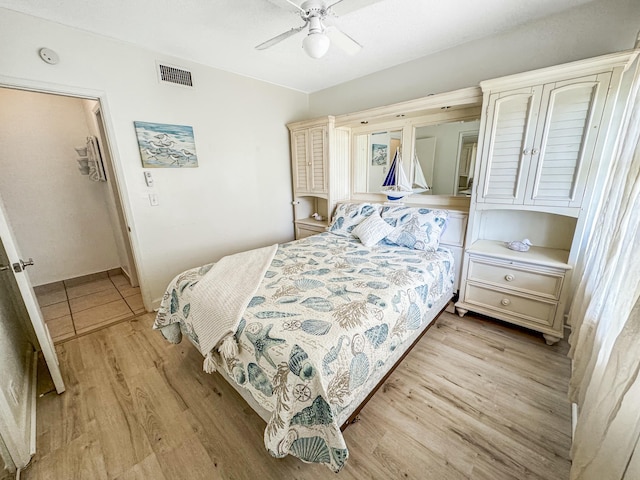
x: 397, y: 215
x: 432, y: 222
x: 348, y: 216
x: 411, y: 235
x: 372, y: 229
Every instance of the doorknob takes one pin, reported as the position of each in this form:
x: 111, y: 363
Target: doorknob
x: 21, y: 265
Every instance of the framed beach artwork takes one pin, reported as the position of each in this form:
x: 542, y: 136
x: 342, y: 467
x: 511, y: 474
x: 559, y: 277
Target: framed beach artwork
x: 166, y: 146
x: 378, y: 154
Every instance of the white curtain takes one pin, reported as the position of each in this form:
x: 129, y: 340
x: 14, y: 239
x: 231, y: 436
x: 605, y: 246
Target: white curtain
x: 605, y: 321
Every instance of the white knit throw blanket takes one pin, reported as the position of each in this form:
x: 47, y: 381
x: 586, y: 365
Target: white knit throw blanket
x: 222, y: 295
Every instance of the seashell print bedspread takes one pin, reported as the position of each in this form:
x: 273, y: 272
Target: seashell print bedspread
x: 326, y: 317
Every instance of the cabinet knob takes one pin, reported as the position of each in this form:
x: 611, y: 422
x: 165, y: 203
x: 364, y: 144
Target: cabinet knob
x: 505, y: 301
x: 509, y: 277
x: 534, y: 151
x: 527, y: 151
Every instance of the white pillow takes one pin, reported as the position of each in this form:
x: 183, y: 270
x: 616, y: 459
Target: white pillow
x: 372, y: 229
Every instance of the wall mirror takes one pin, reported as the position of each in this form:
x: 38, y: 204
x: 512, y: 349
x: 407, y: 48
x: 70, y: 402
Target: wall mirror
x: 446, y: 155
x: 443, y: 154
x: 373, y: 154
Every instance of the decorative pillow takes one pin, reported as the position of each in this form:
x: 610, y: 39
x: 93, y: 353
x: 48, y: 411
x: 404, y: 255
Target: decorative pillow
x: 348, y: 216
x: 432, y: 222
x: 372, y: 229
x: 411, y: 235
x: 397, y: 215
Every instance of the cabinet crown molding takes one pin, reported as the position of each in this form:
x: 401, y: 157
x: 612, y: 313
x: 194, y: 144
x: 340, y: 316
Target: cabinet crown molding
x: 464, y: 97
x: 568, y: 70
x: 328, y: 120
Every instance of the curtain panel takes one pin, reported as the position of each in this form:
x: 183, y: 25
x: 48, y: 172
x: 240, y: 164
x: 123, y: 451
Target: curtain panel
x: 605, y: 322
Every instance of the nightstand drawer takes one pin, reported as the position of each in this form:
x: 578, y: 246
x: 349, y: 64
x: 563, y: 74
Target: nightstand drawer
x: 304, y: 231
x: 532, y: 310
x: 516, y: 277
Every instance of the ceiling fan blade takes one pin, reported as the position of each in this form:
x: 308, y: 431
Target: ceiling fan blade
x: 296, y: 5
x: 332, y: 4
x: 286, y: 5
x: 342, y: 40
x: 281, y: 37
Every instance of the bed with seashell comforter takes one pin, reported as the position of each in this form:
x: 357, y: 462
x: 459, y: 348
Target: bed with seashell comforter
x: 329, y: 320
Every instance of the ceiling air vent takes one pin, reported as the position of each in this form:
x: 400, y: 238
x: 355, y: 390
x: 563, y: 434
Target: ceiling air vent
x: 174, y: 75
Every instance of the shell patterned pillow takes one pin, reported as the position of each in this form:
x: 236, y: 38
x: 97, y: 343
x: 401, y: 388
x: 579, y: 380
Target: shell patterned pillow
x: 348, y: 216
x: 431, y: 222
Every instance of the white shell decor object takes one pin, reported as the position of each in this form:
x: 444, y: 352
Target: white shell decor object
x: 518, y: 246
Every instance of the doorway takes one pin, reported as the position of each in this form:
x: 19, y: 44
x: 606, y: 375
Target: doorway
x: 71, y: 224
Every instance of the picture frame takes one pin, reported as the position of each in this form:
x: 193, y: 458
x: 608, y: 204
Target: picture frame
x: 166, y: 146
x: 379, y: 154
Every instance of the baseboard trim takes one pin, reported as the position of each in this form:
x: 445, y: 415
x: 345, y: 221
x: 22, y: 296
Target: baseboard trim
x: 155, y: 304
x: 126, y: 274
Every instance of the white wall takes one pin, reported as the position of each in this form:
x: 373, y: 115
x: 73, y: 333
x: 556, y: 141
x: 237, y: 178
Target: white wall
x: 597, y: 28
x: 59, y: 217
x: 240, y: 195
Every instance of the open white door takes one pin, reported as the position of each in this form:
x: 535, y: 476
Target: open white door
x: 16, y: 265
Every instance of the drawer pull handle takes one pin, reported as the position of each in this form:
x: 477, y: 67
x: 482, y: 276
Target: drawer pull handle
x: 505, y: 301
x: 509, y: 278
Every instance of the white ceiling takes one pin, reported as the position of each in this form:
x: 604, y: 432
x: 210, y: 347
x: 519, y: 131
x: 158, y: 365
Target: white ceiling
x: 223, y: 33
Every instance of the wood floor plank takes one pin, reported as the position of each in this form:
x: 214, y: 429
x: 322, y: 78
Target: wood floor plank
x: 69, y: 416
x: 403, y: 457
x: 488, y: 388
x: 161, y: 416
x: 435, y: 440
x: 547, y: 366
x: 475, y: 399
x: 189, y: 461
x: 123, y: 440
x: 149, y: 468
x: 79, y: 459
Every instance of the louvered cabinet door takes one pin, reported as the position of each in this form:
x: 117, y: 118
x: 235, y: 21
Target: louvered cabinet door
x: 565, y: 141
x: 300, y: 151
x: 511, y: 123
x: 318, y: 160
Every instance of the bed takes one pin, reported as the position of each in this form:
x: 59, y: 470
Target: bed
x: 329, y: 319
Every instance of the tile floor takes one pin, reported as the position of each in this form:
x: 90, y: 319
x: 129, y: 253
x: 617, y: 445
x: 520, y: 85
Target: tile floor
x: 81, y: 305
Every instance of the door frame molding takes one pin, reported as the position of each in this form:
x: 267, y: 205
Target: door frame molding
x: 119, y: 176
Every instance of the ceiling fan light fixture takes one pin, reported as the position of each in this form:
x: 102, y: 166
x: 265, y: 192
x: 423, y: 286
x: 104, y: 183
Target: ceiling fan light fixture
x: 316, y: 44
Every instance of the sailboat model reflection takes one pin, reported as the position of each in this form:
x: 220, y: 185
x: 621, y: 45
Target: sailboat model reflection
x: 396, y: 186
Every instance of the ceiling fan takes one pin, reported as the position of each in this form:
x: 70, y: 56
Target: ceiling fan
x: 320, y: 36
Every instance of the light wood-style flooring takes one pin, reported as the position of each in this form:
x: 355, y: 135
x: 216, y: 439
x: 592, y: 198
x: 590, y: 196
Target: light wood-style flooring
x: 475, y: 399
